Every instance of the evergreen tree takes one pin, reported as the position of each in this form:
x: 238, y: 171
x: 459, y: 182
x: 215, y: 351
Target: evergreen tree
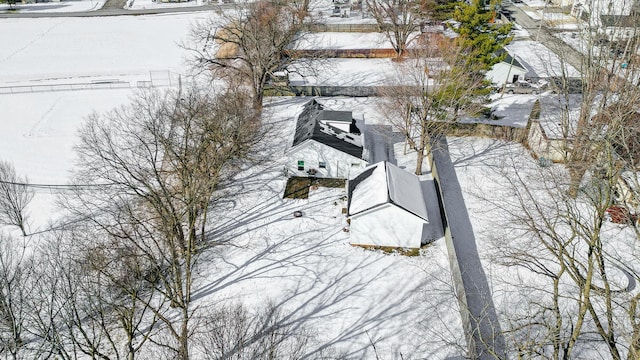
x: 478, y: 33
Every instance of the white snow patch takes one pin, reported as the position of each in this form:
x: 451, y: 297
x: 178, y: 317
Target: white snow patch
x: 55, y: 7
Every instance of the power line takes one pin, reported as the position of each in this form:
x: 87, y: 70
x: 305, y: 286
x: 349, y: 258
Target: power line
x: 56, y: 186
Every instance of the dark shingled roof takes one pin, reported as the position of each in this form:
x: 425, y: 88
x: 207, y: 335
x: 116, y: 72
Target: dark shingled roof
x: 510, y: 60
x: 623, y: 21
x: 309, y: 127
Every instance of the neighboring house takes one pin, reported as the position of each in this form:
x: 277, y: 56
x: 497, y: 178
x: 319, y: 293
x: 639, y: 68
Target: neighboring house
x: 386, y: 207
x: 551, y: 135
x: 561, y: 2
x: 615, y: 19
x: 543, y: 65
x: 508, y: 71
x: 547, y: 144
x: 326, y: 143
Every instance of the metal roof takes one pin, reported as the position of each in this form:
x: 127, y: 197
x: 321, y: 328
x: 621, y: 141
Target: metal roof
x: 403, y: 189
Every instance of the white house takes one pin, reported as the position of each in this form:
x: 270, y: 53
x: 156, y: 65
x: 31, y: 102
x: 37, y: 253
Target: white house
x: 386, y: 208
x: 326, y: 143
x: 616, y: 19
x: 508, y: 71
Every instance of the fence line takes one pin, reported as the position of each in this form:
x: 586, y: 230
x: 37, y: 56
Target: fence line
x: 156, y: 79
x: 63, y: 87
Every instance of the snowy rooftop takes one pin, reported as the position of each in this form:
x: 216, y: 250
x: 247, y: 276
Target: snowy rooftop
x: 540, y: 60
x: 316, y: 123
x: 342, y: 40
x: 383, y: 183
x: 347, y: 72
x: 559, y: 117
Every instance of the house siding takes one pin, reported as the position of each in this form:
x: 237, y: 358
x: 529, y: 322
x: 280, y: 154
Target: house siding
x: 540, y: 144
x: 502, y: 73
x: 338, y: 164
x: 386, y: 225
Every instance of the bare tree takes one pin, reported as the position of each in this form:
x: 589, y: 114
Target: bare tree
x: 398, y: 20
x: 159, y: 162
x: 562, y: 244
x: 233, y: 332
x: 15, y: 290
x: 250, y: 44
x: 15, y: 196
x: 607, y: 61
x: 106, y: 312
x: 436, y: 88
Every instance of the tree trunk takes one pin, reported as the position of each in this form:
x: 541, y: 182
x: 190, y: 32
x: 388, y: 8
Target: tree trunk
x: 420, y: 156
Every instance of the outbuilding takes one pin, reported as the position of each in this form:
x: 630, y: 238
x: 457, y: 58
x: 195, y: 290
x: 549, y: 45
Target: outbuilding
x: 386, y: 207
x: 507, y: 71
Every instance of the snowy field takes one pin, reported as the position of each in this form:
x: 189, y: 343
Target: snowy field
x: 40, y: 128
x: 349, y: 72
x: 54, y: 7
x: 77, y: 49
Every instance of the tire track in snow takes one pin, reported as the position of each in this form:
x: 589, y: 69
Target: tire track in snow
x: 42, y: 118
x: 27, y: 45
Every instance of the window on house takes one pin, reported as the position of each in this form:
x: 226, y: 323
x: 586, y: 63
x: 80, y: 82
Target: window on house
x: 515, y: 78
x: 300, y: 165
x: 322, y: 165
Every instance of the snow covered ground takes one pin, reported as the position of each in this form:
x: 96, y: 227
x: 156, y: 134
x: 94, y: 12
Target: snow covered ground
x: 39, y: 126
x: 347, y: 72
x: 153, y: 4
x: 54, y: 7
x: 352, y: 297
x: 488, y: 171
x: 76, y: 49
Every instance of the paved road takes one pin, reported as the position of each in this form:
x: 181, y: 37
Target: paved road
x: 380, y: 140
x: 542, y: 33
x: 480, y: 321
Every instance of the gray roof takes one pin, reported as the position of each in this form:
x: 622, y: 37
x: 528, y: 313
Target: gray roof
x: 510, y: 60
x: 622, y: 21
x: 403, y: 189
x: 310, y: 127
x: 330, y: 115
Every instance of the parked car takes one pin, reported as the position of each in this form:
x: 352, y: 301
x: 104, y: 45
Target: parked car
x: 524, y: 87
x: 559, y: 85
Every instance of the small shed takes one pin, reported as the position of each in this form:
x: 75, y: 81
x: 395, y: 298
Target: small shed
x: 386, y: 207
x: 326, y: 143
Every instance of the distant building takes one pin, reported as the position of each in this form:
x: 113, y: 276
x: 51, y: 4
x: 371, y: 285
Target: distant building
x: 326, y: 143
x: 618, y: 20
x: 386, y: 207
